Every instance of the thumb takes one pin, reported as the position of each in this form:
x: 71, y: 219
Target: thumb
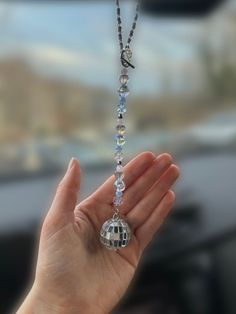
x: 65, y: 199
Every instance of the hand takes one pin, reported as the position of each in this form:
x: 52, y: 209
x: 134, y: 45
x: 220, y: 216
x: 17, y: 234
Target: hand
x: 75, y: 273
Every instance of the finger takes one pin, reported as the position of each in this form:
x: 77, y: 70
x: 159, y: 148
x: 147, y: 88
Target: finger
x: 67, y: 191
x: 138, y: 215
x: 145, y: 232
x: 135, y: 193
x: 133, y: 170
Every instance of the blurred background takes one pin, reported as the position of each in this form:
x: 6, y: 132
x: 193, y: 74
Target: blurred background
x: 58, y: 79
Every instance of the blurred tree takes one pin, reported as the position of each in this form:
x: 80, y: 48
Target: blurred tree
x: 216, y: 50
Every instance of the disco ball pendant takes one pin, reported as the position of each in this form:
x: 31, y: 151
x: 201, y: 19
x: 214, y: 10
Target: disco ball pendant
x: 115, y: 233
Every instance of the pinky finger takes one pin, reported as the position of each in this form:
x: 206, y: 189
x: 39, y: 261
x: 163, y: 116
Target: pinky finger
x: 145, y: 232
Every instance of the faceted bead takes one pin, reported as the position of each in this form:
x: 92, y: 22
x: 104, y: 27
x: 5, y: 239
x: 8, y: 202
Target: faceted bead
x: 124, y: 79
x: 122, y: 101
x: 124, y: 71
x: 122, y: 109
x: 123, y: 91
x: 118, y: 201
x: 118, y: 148
x: 119, y: 156
x: 120, y: 121
x: 119, y: 168
x: 119, y: 193
x: 119, y: 173
x: 120, y: 140
x: 121, y: 129
x: 120, y: 185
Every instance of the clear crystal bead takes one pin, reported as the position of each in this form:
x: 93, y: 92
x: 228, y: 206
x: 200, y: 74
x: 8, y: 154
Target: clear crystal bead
x: 120, y: 176
x: 119, y: 173
x: 124, y: 71
x: 120, y: 121
x: 119, y: 168
x: 119, y: 156
x: 121, y: 129
x: 120, y: 185
x: 124, y: 79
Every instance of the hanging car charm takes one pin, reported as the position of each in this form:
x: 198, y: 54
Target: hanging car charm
x: 115, y: 232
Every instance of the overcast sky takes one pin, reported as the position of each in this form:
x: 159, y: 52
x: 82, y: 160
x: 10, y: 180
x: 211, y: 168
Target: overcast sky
x: 79, y: 41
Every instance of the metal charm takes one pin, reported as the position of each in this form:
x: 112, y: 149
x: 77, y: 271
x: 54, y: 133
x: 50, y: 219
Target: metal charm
x: 125, y: 58
x: 115, y: 233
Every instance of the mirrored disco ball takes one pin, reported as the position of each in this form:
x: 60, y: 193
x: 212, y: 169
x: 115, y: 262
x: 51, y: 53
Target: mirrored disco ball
x: 115, y: 234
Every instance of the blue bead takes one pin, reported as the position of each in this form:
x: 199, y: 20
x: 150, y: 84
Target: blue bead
x: 124, y: 91
x: 119, y: 193
x: 122, y: 98
x: 124, y: 94
x: 118, y: 148
x: 122, y: 101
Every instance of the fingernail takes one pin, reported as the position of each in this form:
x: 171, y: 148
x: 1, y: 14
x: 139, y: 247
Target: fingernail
x: 71, y: 163
x: 162, y: 163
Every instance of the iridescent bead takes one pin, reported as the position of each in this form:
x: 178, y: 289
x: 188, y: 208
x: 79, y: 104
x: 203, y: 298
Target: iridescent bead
x: 122, y: 101
x: 119, y: 172
x: 121, y: 129
x: 119, y: 168
x: 120, y: 140
x: 123, y: 91
x: 118, y: 148
x: 120, y: 185
x: 119, y: 156
x: 117, y: 201
x: 121, y: 109
x: 124, y: 79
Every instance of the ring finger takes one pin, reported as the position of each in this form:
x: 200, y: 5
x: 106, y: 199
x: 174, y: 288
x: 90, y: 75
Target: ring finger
x: 140, y: 213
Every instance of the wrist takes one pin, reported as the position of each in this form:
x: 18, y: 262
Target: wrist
x: 37, y: 302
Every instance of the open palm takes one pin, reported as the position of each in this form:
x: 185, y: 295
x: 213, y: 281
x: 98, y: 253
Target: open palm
x: 75, y: 273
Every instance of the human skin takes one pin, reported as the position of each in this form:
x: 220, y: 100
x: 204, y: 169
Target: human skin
x: 75, y: 273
